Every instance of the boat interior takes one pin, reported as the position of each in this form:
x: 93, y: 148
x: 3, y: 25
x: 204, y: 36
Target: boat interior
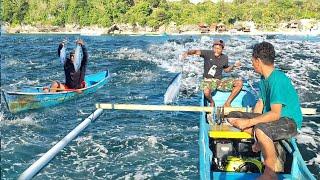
x: 232, y: 149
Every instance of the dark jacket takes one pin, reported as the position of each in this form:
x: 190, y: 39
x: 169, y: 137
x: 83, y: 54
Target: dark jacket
x: 74, y: 79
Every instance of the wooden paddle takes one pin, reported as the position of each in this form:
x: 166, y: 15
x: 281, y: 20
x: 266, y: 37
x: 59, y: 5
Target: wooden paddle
x: 306, y: 111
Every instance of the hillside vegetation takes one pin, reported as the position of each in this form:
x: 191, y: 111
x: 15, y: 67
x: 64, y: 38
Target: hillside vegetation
x: 154, y: 13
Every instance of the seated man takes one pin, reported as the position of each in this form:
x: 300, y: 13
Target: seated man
x: 214, y: 62
x: 279, y: 108
x: 73, y: 79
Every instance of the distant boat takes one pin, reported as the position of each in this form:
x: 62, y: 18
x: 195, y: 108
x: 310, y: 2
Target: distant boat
x: 34, y: 97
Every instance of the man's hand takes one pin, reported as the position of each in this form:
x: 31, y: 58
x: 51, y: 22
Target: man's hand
x: 62, y: 43
x: 237, y: 63
x: 190, y: 52
x: 80, y: 42
x: 184, y: 55
x: 240, y: 123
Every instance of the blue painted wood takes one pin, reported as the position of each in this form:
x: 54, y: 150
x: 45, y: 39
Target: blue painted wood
x: 34, y: 97
x: 245, y: 98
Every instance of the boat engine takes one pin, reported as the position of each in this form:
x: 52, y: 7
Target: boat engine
x: 236, y: 156
x: 236, y: 164
x: 222, y: 149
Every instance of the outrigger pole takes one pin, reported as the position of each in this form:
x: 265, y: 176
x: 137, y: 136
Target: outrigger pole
x: 40, y: 163
x: 306, y: 111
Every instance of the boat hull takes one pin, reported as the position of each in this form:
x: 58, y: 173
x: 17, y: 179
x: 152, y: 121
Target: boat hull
x: 297, y: 167
x: 34, y: 98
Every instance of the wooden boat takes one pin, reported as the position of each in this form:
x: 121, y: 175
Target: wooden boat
x: 225, y: 152
x: 34, y: 97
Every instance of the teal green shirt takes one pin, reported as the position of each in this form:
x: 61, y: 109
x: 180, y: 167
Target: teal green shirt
x: 278, y: 89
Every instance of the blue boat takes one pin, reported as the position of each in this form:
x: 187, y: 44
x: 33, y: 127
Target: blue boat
x: 226, y: 154
x: 34, y: 97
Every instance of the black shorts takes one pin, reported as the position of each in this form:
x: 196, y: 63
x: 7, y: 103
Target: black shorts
x: 284, y: 128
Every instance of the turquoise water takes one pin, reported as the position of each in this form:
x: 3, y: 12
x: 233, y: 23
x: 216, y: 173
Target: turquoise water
x: 133, y: 144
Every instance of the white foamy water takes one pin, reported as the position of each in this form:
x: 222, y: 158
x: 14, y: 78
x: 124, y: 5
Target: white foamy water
x: 315, y: 160
x: 13, y: 62
x: 306, y: 139
x: 143, y: 76
x: 152, y: 141
x: 2, y: 116
x: 28, y: 120
x: 144, y: 144
x: 168, y: 54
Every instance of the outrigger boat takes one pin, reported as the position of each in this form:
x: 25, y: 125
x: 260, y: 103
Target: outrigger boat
x: 225, y: 151
x: 35, y: 98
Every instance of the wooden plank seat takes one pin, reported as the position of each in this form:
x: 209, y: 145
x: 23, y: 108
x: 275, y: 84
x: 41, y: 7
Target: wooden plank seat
x: 227, y: 131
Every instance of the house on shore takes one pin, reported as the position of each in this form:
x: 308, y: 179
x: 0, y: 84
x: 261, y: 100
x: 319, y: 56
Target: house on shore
x: 244, y: 26
x: 204, y: 28
x: 221, y: 27
x: 303, y: 25
x: 294, y: 24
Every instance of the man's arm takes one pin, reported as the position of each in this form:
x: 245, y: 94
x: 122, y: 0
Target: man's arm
x: 258, y: 107
x: 191, y: 52
x: 84, y: 52
x: 270, y: 116
x: 59, y: 48
x: 229, y: 69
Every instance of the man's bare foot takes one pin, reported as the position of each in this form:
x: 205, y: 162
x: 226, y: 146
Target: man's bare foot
x: 256, y: 147
x: 268, y: 176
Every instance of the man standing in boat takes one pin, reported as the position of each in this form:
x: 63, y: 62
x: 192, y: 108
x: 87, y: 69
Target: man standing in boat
x: 214, y: 63
x: 74, y: 79
x: 277, y: 113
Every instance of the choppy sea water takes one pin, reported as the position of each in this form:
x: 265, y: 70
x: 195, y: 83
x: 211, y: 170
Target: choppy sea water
x: 135, y: 144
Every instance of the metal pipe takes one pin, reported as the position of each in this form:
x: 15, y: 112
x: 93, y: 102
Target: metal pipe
x: 46, y: 158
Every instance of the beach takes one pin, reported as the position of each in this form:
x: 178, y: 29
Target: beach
x: 124, y: 29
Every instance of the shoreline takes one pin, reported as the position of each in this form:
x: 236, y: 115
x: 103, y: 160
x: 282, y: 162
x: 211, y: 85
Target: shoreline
x: 96, y: 31
x: 256, y: 33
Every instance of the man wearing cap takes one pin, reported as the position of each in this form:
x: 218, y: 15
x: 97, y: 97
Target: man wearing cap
x: 73, y: 79
x: 214, y: 62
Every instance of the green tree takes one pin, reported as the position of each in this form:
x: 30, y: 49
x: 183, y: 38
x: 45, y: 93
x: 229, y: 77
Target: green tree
x: 15, y: 11
x: 155, y: 12
x: 139, y: 13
